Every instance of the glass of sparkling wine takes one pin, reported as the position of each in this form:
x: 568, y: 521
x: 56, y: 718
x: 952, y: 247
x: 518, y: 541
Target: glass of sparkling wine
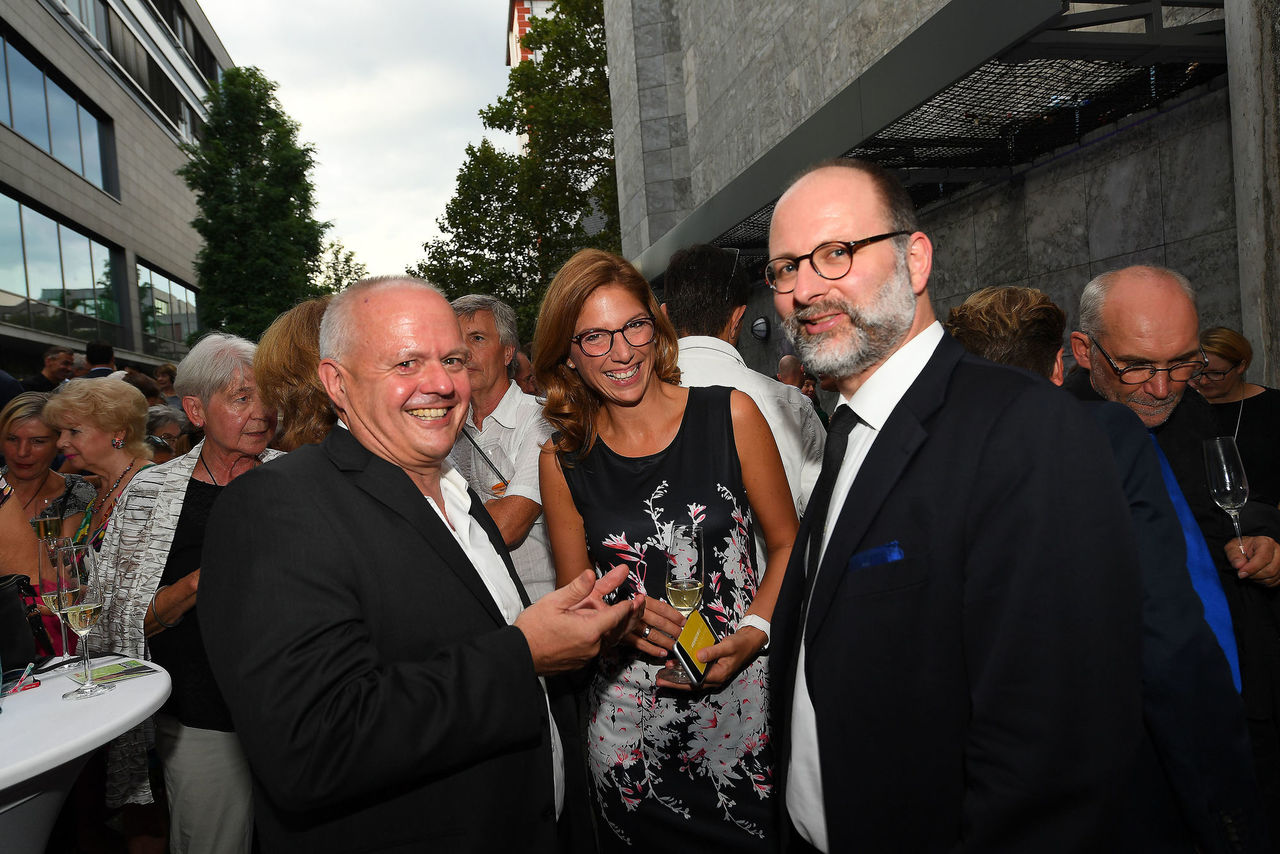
x: 48, y: 587
x: 685, y: 567
x: 84, y: 596
x: 1227, y: 482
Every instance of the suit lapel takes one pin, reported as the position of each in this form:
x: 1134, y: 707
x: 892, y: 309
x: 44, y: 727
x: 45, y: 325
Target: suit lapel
x: 387, y: 484
x: 892, y: 450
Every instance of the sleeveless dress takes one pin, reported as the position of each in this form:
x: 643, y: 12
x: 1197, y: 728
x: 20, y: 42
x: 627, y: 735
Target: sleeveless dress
x: 690, y: 770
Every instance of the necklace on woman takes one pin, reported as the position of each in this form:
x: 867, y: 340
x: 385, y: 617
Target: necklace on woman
x: 39, y: 489
x: 101, y: 500
x: 207, y: 471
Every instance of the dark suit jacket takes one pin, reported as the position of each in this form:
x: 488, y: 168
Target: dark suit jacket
x: 982, y: 693
x: 383, y: 702
x: 1194, y: 785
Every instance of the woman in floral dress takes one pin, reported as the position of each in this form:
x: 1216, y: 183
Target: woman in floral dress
x: 637, y: 461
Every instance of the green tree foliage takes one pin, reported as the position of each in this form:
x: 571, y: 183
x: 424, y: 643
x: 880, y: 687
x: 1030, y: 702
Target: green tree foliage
x: 516, y: 218
x: 253, y: 189
x: 339, y: 269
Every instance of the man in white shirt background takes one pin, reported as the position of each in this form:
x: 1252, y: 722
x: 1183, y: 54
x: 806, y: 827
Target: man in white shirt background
x: 705, y: 293
x: 498, y: 450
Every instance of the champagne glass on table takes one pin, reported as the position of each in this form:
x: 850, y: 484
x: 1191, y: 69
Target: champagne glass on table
x: 685, y: 568
x: 1228, y: 484
x: 49, y: 589
x: 84, y: 596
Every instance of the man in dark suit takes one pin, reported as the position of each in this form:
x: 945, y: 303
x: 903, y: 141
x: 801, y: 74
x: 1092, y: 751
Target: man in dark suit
x: 1139, y: 345
x: 1193, y: 788
x: 953, y: 667
x: 101, y: 357
x: 57, y: 368
x: 362, y: 617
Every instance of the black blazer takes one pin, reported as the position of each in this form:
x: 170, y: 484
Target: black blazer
x: 1193, y: 787
x: 383, y: 702
x: 981, y: 690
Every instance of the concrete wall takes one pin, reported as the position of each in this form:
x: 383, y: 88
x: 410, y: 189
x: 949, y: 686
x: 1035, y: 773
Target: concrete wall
x: 1157, y: 189
x: 702, y: 88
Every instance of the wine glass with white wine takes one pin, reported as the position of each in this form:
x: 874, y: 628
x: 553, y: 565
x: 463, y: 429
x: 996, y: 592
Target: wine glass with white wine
x: 685, y: 569
x: 85, y: 596
x: 50, y: 591
x: 1228, y: 484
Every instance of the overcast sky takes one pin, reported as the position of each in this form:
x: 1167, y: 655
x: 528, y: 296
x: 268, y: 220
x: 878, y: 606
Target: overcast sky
x: 388, y: 93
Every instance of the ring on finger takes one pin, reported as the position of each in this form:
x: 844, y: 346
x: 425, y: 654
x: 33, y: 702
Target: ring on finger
x: 645, y: 633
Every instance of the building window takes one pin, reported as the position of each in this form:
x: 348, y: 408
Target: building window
x: 168, y: 310
x: 54, y: 278
x: 54, y: 119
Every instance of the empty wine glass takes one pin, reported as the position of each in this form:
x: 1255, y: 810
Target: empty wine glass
x: 1228, y: 484
x: 85, y: 595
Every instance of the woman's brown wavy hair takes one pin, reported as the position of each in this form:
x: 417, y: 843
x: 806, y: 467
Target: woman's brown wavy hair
x: 572, y: 406
x: 284, y: 368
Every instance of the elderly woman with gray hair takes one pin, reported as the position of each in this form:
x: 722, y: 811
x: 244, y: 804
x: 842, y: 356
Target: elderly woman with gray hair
x: 153, y: 547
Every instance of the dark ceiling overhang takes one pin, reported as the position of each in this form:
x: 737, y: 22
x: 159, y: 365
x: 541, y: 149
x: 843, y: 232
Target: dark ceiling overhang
x: 982, y: 88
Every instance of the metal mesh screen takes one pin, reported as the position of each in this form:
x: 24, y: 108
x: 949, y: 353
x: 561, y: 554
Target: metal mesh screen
x: 1001, y: 116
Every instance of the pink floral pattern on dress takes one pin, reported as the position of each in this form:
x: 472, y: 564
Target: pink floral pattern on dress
x: 644, y: 745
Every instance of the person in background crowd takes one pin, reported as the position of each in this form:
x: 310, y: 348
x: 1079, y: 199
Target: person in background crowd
x: 1193, y: 787
x: 1245, y: 410
x: 101, y: 429
x: 285, y: 368
x: 504, y: 431
x: 165, y: 426
x: 809, y: 388
x: 101, y: 357
x: 150, y: 388
x: 164, y: 375
x: 790, y: 371
x: 1139, y: 345
x: 9, y: 388
x: 705, y: 294
x: 153, y: 553
x: 29, y: 448
x: 80, y: 366
x: 363, y: 619
x: 953, y: 667
x: 524, y: 374
x: 58, y: 364
x: 635, y: 456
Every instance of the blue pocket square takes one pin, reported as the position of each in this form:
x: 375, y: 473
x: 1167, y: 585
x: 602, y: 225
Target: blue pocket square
x: 887, y: 553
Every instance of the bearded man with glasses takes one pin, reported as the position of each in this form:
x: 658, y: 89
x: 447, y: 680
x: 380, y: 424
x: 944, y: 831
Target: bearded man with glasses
x: 952, y: 668
x: 1139, y: 345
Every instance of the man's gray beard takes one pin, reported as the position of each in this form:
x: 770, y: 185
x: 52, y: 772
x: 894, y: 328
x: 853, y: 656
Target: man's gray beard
x: 876, y: 331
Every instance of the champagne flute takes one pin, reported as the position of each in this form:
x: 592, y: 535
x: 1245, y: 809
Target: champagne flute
x: 49, y: 588
x: 1228, y: 484
x: 84, y: 597
x: 685, y: 568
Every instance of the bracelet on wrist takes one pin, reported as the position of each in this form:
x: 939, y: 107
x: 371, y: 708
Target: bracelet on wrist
x: 155, y: 610
x: 756, y: 622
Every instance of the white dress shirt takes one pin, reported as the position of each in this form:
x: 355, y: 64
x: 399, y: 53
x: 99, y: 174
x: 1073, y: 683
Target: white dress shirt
x: 476, y: 545
x: 797, y: 429
x: 512, y: 438
x: 873, y: 403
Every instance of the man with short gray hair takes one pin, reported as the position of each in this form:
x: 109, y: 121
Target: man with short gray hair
x: 381, y: 660
x: 497, y: 451
x: 1139, y: 345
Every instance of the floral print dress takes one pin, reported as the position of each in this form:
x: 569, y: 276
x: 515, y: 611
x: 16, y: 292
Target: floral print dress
x: 692, y: 770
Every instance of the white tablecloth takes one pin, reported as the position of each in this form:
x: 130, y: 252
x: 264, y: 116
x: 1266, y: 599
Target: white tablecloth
x: 45, y: 740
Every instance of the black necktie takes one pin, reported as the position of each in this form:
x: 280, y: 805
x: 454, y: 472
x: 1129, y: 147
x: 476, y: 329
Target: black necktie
x: 842, y: 424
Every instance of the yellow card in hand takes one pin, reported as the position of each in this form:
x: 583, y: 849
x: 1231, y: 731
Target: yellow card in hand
x: 696, y: 635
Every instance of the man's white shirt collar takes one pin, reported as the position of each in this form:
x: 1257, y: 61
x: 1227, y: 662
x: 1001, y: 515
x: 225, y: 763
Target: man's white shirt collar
x: 706, y: 342
x: 875, y: 399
